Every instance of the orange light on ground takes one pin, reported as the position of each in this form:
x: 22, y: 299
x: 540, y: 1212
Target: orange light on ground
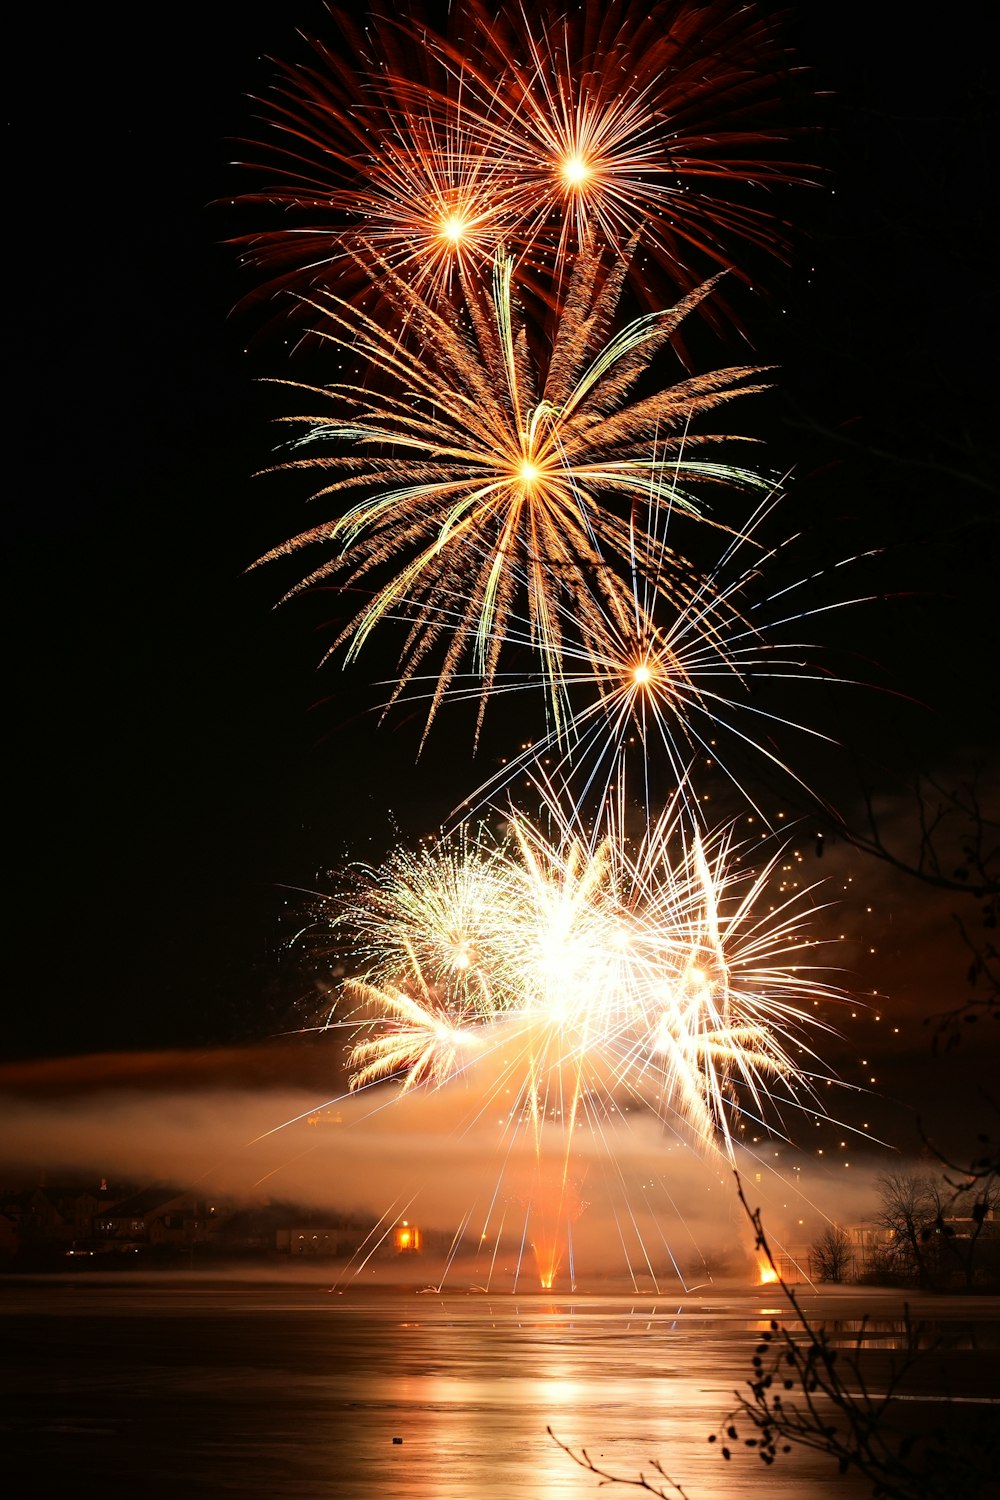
x: 407, y: 1238
x: 548, y: 1257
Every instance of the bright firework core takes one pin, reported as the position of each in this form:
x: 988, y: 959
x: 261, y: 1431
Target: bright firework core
x: 558, y: 988
x: 493, y: 483
x: 595, y: 977
x: 454, y: 228
x: 575, y: 170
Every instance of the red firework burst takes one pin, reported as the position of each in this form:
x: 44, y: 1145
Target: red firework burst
x: 434, y: 149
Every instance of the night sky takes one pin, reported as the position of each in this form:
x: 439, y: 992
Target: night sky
x: 180, y: 762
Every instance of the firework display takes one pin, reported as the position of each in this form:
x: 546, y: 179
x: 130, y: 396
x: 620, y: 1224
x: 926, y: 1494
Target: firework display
x: 649, y: 972
x: 475, y: 221
x: 436, y: 147
x: 497, y: 482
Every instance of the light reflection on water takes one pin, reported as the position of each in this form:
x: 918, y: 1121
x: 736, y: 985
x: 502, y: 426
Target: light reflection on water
x: 261, y: 1391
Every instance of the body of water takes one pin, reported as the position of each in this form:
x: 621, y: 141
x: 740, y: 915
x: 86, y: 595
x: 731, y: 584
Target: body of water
x: 188, y: 1389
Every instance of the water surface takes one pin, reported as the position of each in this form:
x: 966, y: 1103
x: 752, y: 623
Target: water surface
x: 189, y: 1390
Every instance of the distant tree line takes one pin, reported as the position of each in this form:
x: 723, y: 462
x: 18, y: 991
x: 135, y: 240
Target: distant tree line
x: 927, y: 1232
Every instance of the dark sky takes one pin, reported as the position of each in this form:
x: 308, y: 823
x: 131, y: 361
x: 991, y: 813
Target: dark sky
x: 178, y: 759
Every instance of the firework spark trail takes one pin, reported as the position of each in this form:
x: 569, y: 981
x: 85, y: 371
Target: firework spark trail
x: 575, y: 992
x: 505, y: 470
x: 496, y: 480
x: 624, y: 118
x: 368, y: 146
x: 652, y: 691
x: 535, y: 131
x: 642, y: 975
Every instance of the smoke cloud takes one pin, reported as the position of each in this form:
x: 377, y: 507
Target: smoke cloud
x: 632, y: 1192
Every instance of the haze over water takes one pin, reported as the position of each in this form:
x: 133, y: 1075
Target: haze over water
x: 197, y: 1389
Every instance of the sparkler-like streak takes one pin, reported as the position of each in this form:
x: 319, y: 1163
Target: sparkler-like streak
x: 672, y: 685
x: 500, y: 481
x: 427, y: 1037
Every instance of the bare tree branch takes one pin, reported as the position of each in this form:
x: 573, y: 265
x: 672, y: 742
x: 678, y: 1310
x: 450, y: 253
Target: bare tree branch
x: 637, y: 1482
